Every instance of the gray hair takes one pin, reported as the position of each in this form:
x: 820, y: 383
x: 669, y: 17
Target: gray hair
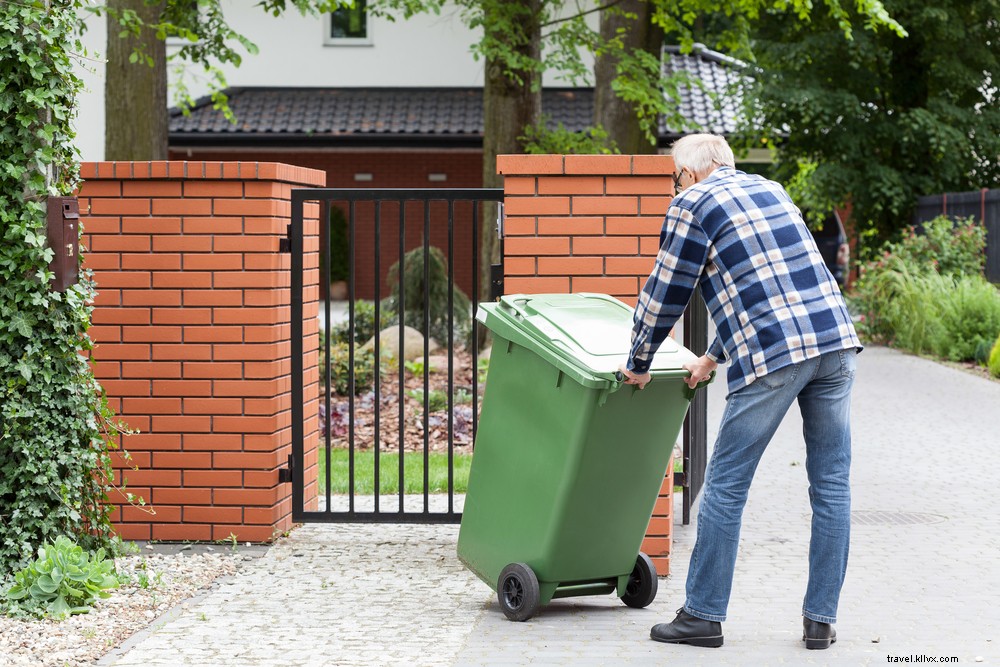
x: 701, y: 153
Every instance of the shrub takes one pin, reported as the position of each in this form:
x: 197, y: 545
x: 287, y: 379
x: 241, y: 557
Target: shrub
x: 437, y: 288
x: 364, y: 323
x: 994, y: 360
x: 64, y: 580
x: 340, y: 368
x: 926, y: 292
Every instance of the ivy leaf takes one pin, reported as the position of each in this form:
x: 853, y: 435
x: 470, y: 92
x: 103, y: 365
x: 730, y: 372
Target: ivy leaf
x: 20, y: 324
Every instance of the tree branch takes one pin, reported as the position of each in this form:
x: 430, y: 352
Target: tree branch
x: 576, y: 16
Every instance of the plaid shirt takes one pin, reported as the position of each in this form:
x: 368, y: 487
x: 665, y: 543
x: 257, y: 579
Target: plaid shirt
x: 773, y: 301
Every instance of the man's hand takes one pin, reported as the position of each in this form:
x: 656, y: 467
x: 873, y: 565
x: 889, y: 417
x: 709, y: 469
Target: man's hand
x: 631, y: 378
x: 701, y: 370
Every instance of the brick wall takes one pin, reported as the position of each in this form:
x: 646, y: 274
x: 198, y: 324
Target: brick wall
x: 192, y: 333
x: 589, y: 223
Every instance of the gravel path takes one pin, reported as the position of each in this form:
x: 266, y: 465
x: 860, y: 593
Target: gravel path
x: 155, y: 582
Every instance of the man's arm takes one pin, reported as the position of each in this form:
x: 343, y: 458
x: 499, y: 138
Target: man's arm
x: 679, y: 264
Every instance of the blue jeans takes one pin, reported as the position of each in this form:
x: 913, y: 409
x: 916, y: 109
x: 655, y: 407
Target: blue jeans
x: 822, y: 386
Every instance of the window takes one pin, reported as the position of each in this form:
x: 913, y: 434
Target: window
x: 348, y: 25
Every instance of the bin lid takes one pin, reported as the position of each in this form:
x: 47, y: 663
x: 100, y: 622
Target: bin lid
x: 588, y: 334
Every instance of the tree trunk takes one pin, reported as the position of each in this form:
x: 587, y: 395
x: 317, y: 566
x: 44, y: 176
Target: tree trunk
x: 618, y: 117
x: 135, y: 94
x: 508, y: 107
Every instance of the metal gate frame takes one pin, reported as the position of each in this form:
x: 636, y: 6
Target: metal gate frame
x: 378, y: 196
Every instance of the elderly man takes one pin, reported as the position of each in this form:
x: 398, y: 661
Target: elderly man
x: 783, y: 327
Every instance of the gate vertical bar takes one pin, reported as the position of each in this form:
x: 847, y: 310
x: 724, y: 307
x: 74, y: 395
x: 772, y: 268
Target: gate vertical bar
x: 451, y: 356
x: 695, y: 423
x: 298, y: 422
x: 476, y: 286
x: 400, y: 310
x: 427, y: 343
x: 351, y: 282
x: 327, y: 376
x: 378, y: 359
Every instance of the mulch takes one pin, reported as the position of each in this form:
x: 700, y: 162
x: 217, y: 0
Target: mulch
x: 383, y: 411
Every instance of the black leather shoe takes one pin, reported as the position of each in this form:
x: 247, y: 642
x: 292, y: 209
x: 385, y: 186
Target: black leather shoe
x: 817, y: 635
x: 688, y: 629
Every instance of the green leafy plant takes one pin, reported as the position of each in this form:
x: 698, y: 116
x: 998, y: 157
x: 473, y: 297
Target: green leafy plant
x: 542, y: 138
x: 56, y: 426
x: 994, y: 361
x: 415, y: 366
x: 925, y: 292
x: 437, y: 304
x: 65, y: 579
x: 364, y: 324
x: 364, y: 368
x: 436, y: 400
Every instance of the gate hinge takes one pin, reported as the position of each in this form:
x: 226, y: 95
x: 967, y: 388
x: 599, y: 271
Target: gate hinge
x: 496, y: 282
x: 285, y: 244
x: 285, y: 474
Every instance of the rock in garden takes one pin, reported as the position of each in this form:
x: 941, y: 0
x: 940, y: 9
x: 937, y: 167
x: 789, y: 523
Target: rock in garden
x: 413, y: 343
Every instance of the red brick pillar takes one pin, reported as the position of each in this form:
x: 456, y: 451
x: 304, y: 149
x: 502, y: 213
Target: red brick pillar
x: 192, y: 333
x: 589, y: 223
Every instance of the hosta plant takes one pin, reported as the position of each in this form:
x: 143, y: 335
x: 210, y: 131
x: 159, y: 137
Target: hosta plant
x: 64, y: 580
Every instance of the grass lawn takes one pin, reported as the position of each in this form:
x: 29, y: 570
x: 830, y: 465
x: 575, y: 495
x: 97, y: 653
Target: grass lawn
x: 413, y: 472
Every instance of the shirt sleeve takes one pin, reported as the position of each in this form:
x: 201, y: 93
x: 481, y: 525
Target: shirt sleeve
x: 679, y: 264
x: 716, y: 352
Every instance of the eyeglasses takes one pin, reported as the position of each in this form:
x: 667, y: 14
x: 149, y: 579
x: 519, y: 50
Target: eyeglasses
x: 677, y: 180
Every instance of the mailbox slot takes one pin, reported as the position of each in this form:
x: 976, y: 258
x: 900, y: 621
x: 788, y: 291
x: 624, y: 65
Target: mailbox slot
x: 64, y: 239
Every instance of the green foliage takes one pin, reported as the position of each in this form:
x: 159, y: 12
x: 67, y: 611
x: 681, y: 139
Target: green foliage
x: 364, y: 323
x: 64, y: 580
x: 994, y: 361
x: 880, y: 119
x: 542, y: 140
x: 926, y: 293
x: 437, y: 304
x: 55, y: 423
x: 340, y: 251
x: 340, y: 368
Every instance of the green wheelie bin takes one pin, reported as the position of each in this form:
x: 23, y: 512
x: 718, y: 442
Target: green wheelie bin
x: 568, y: 460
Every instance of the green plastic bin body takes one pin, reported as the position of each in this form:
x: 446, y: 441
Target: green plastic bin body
x: 568, y: 461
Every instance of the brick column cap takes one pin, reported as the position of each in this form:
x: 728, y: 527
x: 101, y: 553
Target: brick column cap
x: 603, y: 165
x: 215, y: 171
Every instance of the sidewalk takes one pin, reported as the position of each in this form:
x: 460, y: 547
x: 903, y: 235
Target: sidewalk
x: 923, y: 578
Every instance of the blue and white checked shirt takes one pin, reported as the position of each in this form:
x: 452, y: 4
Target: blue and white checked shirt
x: 773, y: 301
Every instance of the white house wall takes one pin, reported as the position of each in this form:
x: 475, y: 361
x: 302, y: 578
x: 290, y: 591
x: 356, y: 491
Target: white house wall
x: 424, y: 51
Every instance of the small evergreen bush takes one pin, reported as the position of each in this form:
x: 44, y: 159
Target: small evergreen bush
x: 413, y: 286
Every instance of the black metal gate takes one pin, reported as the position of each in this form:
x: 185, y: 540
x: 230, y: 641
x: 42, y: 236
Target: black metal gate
x: 424, y: 232
x: 429, y: 229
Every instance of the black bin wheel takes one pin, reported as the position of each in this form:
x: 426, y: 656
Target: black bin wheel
x: 517, y: 591
x: 642, y: 583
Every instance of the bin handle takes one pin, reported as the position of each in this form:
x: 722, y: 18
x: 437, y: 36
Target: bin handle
x: 688, y: 391
x: 512, y: 305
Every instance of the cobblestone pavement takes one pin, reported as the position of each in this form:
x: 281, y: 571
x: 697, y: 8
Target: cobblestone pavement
x: 923, y: 581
